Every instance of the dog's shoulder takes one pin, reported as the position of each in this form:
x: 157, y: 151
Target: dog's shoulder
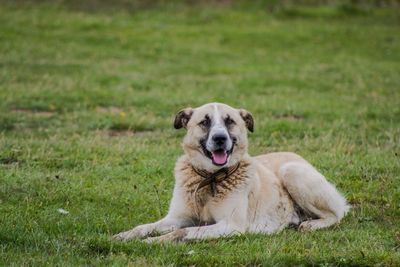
x: 183, y: 170
x: 185, y: 176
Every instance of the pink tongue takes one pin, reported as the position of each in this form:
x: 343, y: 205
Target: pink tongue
x: 219, y: 157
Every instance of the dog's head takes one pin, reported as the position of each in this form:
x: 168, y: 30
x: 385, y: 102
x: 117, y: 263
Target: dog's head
x: 216, y: 134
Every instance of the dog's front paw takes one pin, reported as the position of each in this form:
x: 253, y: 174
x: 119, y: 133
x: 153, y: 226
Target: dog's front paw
x: 175, y: 236
x: 124, y: 236
x: 160, y: 239
x: 135, y: 233
x: 150, y: 240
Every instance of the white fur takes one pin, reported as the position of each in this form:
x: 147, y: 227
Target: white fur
x: 217, y: 127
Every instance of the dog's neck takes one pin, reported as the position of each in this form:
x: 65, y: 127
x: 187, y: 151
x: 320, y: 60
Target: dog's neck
x: 212, y: 178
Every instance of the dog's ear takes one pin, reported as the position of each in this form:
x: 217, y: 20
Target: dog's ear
x: 248, y: 119
x: 182, y: 118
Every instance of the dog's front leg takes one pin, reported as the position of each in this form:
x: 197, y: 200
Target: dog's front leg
x: 219, y: 229
x: 230, y: 216
x: 164, y: 225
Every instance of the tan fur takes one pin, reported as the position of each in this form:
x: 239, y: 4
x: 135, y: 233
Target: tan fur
x: 266, y: 194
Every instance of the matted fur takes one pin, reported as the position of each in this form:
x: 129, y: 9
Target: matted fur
x: 264, y: 195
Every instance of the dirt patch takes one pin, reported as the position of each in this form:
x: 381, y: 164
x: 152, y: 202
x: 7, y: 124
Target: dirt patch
x: 36, y: 113
x: 122, y: 133
x: 115, y: 133
x: 289, y: 117
x: 144, y: 132
x: 109, y: 110
x: 8, y: 160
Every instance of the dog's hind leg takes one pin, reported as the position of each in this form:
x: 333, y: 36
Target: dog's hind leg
x: 314, y: 194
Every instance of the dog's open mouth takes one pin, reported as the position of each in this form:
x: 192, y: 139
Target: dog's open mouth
x: 218, y: 157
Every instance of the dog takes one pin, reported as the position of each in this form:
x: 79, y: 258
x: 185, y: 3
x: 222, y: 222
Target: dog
x: 220, y: 190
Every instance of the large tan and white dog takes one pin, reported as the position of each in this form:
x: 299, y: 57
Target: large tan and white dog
x: 220, y: 190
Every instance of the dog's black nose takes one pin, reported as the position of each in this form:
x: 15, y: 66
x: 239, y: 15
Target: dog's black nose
x: 219, y: 139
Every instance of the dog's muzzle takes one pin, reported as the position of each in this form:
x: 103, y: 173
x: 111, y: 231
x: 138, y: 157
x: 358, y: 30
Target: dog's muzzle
x: 218, y: 147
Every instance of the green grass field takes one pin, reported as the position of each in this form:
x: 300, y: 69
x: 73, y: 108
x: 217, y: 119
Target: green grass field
x: 86, y: 110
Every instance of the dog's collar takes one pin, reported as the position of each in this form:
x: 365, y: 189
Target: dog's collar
x: 213, y: 178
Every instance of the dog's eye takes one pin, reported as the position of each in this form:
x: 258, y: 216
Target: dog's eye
x: 205, y: 123
x: 229, y: 121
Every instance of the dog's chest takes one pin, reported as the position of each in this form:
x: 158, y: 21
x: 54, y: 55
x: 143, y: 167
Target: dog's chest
x: 201, y: 203
x: 201, y: 200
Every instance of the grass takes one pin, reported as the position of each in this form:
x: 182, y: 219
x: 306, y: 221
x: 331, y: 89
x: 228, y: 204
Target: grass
x: 88, y: 98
